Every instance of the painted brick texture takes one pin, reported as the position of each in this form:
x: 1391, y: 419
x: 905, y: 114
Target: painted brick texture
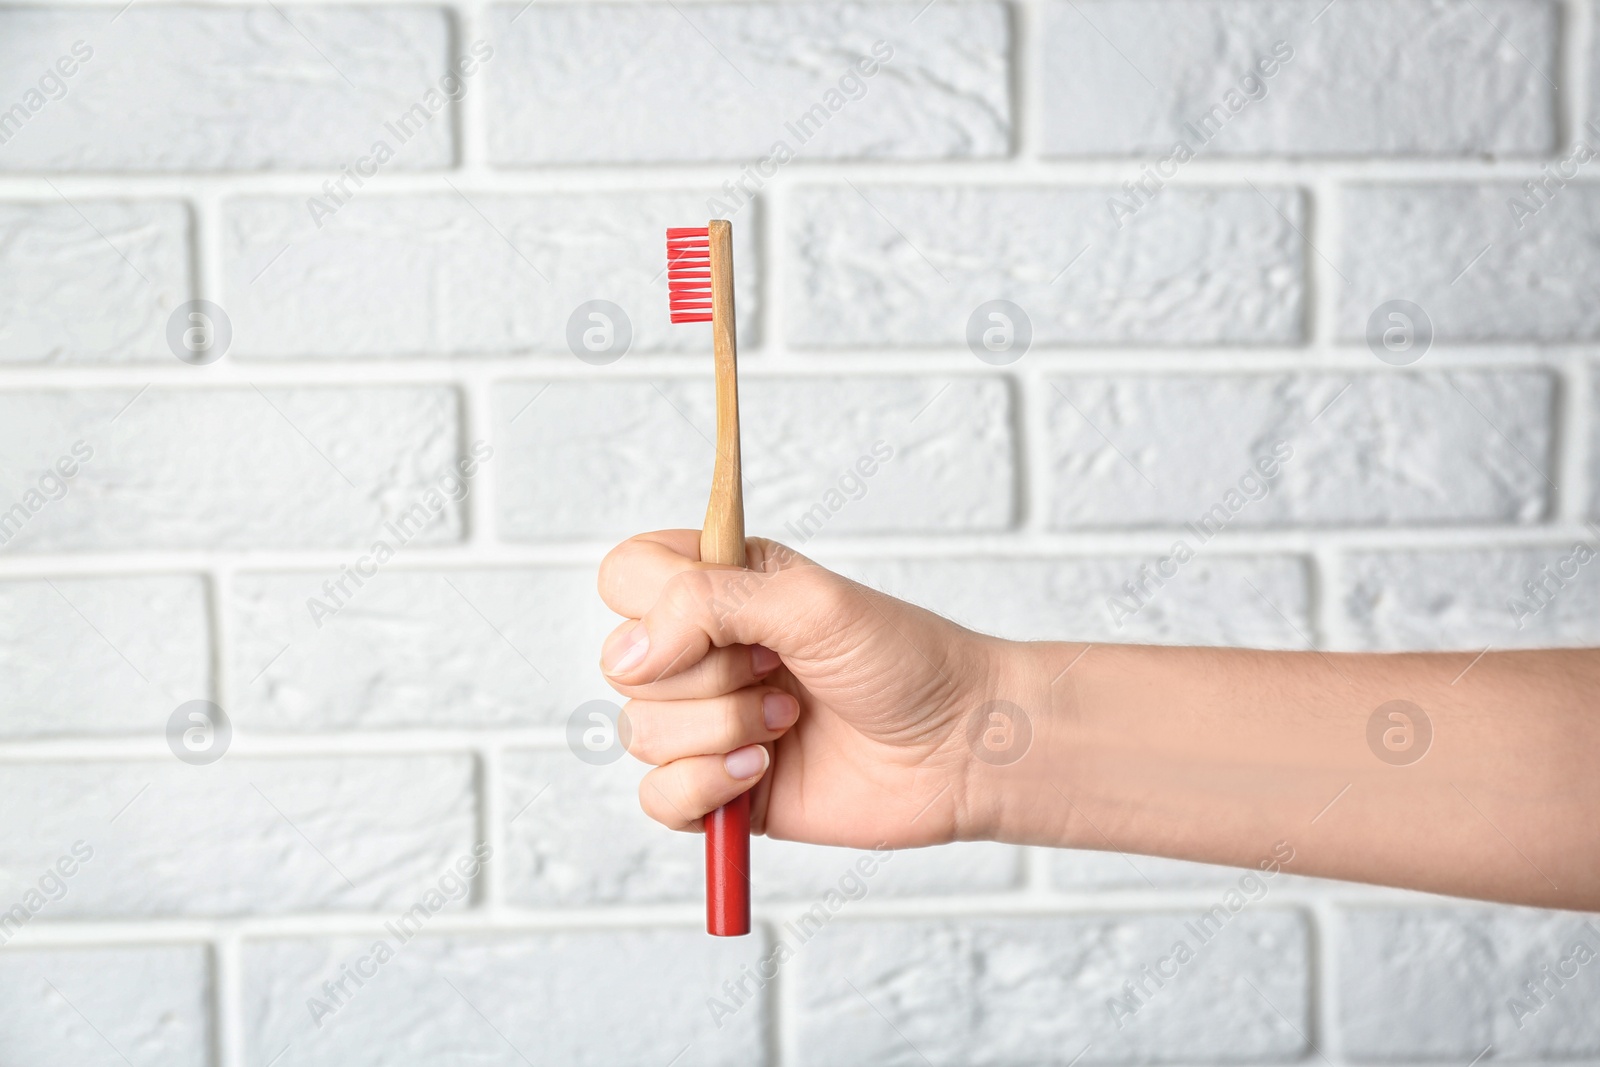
x: 366, y: 524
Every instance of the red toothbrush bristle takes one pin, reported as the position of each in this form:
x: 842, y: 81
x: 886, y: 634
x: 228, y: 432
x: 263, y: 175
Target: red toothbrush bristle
x: 689, y: 273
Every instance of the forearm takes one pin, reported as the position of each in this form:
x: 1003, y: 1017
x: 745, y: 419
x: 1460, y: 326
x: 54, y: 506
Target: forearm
x: 1220, y: 754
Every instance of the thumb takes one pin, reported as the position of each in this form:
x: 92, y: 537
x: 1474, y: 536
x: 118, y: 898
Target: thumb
x: 782, y: 600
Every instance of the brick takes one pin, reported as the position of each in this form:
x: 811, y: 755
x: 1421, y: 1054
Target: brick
x: 101, y: 655
x: 1205, y: 602
x: 232, y: 468
x: 1164, y: 450
x: 909, y: 992
x: 418, y: 648
x: 1441, y: 599
x: 240, y: 836
x: 1075, y: 869
x: 1458, y: 78
x: 1083, y: 871
x: 638, y: 455
x: 1594, y: 451
x: 1479, y: 271
x: 1594, y: 84
x: 513, y: 998
x: 903, y: 265
x: 1443, y: 983
x: 575, y: 836
x: 685, y: 91
x: 460, y: 273
x: 222, y: 88
x: 149, y: 1004
x: 789, y: 870
x: 90, y: 281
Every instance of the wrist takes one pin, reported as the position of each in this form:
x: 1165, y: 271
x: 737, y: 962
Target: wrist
x: 1023, y: 745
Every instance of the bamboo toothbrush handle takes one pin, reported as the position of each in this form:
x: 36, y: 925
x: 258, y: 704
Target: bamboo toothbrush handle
x: 722, y: 541
x: 722, y: 538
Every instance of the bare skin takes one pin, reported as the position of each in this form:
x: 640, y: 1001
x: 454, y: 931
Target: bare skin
x: 860, y: 720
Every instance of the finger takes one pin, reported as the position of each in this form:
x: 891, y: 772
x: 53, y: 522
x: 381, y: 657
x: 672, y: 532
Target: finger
x: 661, y: 731
x: 795, y: 607
x: 679, y: 794
x: 719, y: 671
x: 634, y: 573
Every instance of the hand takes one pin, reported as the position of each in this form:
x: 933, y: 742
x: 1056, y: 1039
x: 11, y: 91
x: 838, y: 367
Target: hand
x: 846, y: 710
x: 850, y: 713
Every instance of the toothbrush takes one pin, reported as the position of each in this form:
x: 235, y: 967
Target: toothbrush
x: 700, y: 289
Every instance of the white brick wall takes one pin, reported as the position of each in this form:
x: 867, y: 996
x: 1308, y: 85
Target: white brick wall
x: 399, y: 317
x: 51, y: 254
x: 171, y: 89
x: 904, y: 266
x: 883, y: 992
x: 556, y: 96
x: 1476, y: 961
x: 391, y: 276
x: 487, y: 998
x: 1386, y: 78
x: 1427, y: 240
x: 148, y: 1002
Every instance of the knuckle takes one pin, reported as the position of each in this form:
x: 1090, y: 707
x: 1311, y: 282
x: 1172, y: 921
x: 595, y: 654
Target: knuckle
x: 820, y: 591
x: 734, y: 710
x: 765, y: 554
x: 613, y: 568
x: 720, y: 671
x: 734, y: 590
x: 686, y: 593
x: 657, y: 805
x: 702, y: 679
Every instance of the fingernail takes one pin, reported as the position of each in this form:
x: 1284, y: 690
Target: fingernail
x: 628, y: 650
x: 763, y: 659
x: 780, y: 710
x: 746, y: 762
